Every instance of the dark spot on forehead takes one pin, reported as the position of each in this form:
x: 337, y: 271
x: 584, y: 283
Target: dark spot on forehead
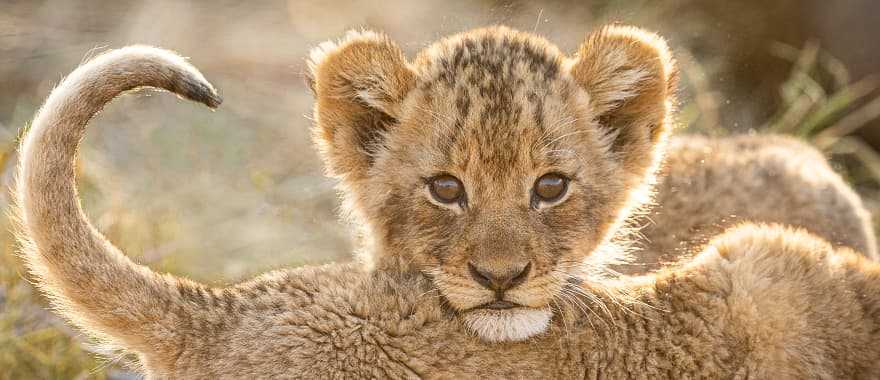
x: 496, y: 56
x: 537, y: 102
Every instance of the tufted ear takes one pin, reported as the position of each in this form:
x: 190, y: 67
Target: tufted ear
x: 630, y: 77
x: 359, y: 84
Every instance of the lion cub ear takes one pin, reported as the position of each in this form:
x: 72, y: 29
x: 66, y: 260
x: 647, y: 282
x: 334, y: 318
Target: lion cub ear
x: 630, y: 76
x: 359, y: 84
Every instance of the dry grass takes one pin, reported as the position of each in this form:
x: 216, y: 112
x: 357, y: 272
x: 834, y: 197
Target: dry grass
x: 33, y: 343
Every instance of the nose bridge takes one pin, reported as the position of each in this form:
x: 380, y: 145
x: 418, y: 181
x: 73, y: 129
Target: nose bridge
x: 500, y: 246
x: 497, y: 189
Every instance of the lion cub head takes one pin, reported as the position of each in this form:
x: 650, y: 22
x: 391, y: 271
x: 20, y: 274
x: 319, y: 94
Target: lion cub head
x: 492, y: 162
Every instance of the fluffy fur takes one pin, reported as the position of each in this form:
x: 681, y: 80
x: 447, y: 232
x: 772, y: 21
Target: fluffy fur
x: 707, y: 185
x: 760, y: 301
x: 87, y: 278
x: 497, y: 109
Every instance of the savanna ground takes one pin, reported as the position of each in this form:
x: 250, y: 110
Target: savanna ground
x: 219, y: 196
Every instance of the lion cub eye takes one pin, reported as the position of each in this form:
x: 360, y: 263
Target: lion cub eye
x: 446, y: 189
x: 550, y: 187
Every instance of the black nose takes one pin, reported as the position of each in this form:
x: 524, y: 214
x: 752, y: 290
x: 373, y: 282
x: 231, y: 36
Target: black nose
x: 497, y: 280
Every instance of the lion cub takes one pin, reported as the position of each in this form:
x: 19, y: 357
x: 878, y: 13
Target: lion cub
x: 493, y: 162
x: 707, y: 185
x: 502, y: 168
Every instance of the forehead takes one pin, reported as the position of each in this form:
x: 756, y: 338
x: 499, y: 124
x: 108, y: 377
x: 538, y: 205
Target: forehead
x: 495, y: 102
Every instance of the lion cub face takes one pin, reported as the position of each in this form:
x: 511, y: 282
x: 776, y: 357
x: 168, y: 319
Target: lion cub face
x: 493, y: 163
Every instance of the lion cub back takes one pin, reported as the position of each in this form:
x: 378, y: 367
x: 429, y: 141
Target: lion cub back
x: 710, y: 184
x: 805, y: 309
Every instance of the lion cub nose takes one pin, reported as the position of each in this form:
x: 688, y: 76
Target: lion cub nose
x: 499, y: 281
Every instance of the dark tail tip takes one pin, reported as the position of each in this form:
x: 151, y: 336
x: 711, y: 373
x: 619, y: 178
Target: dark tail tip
x: 214, y: 100
x: 199, y: 90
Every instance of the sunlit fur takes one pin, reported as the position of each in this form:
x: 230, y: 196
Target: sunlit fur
x: 759, y: 302
x: 707, y: 185
x: 88, y: 279
x: 506, y: 326
x: 497, y: 109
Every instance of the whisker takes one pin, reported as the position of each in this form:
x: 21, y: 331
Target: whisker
x: 575, y: 291
x: 429, y: 291
x: 562, y: 314
x: 566, y: 298
x: 551, y: 142
x: 591, y: 298
x: 546, y: 133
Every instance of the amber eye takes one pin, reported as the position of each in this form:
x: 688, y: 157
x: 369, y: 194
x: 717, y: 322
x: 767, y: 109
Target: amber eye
x: 550, y: 187
x: 446, y: 189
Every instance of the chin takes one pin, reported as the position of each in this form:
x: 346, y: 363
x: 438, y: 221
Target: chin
x: 509, y: 325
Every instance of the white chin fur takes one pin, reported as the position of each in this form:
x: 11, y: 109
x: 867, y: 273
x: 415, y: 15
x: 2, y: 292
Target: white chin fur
x: 507, y: 325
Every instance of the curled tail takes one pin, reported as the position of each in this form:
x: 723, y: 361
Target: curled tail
x: 88, y: 279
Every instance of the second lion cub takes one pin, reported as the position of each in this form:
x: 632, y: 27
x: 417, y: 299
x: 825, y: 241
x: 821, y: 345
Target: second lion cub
x: 707, y: 185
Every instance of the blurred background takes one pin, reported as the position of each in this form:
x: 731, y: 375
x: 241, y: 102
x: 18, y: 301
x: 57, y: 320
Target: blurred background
x: 220, y: 196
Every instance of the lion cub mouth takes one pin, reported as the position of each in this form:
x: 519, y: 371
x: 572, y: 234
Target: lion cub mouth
x: 503, y: 321
x: 499, y: 305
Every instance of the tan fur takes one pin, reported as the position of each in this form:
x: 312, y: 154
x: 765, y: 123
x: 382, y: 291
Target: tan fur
x: 758, y: 302
x: 707, y: 185
x: 498, y: 109
x: 87, y: 278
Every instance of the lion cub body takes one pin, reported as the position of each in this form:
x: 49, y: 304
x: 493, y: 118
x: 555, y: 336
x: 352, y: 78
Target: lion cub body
x: 707, y: 185
x: 759, y: 302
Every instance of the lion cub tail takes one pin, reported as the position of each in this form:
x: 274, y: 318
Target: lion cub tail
x: 88, y: 279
